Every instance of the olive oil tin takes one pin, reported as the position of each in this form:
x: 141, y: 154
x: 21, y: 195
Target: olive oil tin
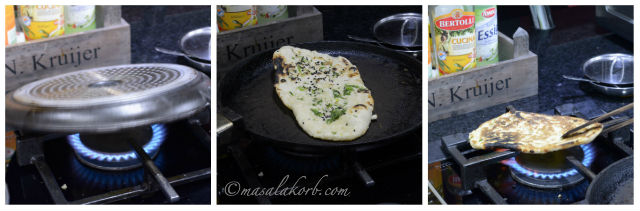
x: 236, y: 16
x: 453, y: 37
x: 41, y: 21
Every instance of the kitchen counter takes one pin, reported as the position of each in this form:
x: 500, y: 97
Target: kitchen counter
x: 162, y: 26
x: 340, y: 21
x: 561, y: 51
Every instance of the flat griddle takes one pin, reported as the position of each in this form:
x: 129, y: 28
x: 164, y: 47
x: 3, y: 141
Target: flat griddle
x: 393, y: 78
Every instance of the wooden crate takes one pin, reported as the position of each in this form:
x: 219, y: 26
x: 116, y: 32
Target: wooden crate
x: 303, y: 25
x: 514, y: 77
x: 108, y: 44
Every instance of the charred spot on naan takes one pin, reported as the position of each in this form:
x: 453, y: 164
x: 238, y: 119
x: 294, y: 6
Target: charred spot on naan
x: 500, y: 140
x: 281, y: 69
x: 345, y: 61
x: 280, y: 66
x: 360, y: 105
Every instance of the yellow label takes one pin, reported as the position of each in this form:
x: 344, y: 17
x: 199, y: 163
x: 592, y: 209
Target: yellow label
x: 455, y: 41
x: 233, y: 17
x: 41, y: 21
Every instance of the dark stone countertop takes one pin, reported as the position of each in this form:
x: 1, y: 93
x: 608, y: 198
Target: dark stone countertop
x: 162, y: 26
x: 340, y: 21
x: 561, y: 51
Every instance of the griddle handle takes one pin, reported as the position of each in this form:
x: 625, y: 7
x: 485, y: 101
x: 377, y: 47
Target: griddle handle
x: 581, y: 168
x: 225, y: 119
x: 162, y: 181
x: 364, y: 175
x: 362, y: 39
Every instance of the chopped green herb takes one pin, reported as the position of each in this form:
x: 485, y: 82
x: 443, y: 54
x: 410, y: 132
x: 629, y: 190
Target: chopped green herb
x: 298, y: 68
x: 351, y: 87
x: 300, y: 98
x: 333, y: 132
x: 301, y: 88
x: 336, y: 94
x: 317, y: 101
x: 291, y: 93
x: 316, y: 112
x: 347, y: 89
x: 335, y: 114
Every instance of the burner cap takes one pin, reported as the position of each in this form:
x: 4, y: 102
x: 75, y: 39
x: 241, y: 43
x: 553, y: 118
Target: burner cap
x: 108, y: 99
x: 116, y: 142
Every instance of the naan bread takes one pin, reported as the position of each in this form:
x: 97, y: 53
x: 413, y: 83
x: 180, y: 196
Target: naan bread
x: 325, y: 93
x: 532, y: 132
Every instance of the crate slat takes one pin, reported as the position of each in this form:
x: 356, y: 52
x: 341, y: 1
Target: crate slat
x: 514, y: 77
x: 238, y: 44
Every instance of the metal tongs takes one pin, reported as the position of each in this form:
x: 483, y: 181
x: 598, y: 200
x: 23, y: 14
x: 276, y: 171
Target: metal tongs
x: 615, y: 124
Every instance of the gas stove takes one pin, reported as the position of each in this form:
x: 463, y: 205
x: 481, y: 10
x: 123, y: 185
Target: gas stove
x: 100, y: 139
x: 469, y: 176
x: 245, y: 164
x: 81, y: 169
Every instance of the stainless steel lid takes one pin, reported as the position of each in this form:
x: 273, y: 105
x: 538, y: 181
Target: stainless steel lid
x: 197, y: 43
x: 108, y: 99
x: 613, y: 68
x: 404, y: 29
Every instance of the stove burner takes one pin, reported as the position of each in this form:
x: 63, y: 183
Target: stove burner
x: 563, y: 176
x: 110, y: 158
x: 525, y: 195
x: 100, y: 181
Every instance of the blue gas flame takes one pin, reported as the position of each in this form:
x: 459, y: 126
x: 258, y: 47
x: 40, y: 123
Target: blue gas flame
x: 159, y: 135
x: 589, y: 154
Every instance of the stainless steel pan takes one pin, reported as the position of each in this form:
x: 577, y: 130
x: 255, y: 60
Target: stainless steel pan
x: 195, y: 47
x: 610, y: 74
x: 614, y: 69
